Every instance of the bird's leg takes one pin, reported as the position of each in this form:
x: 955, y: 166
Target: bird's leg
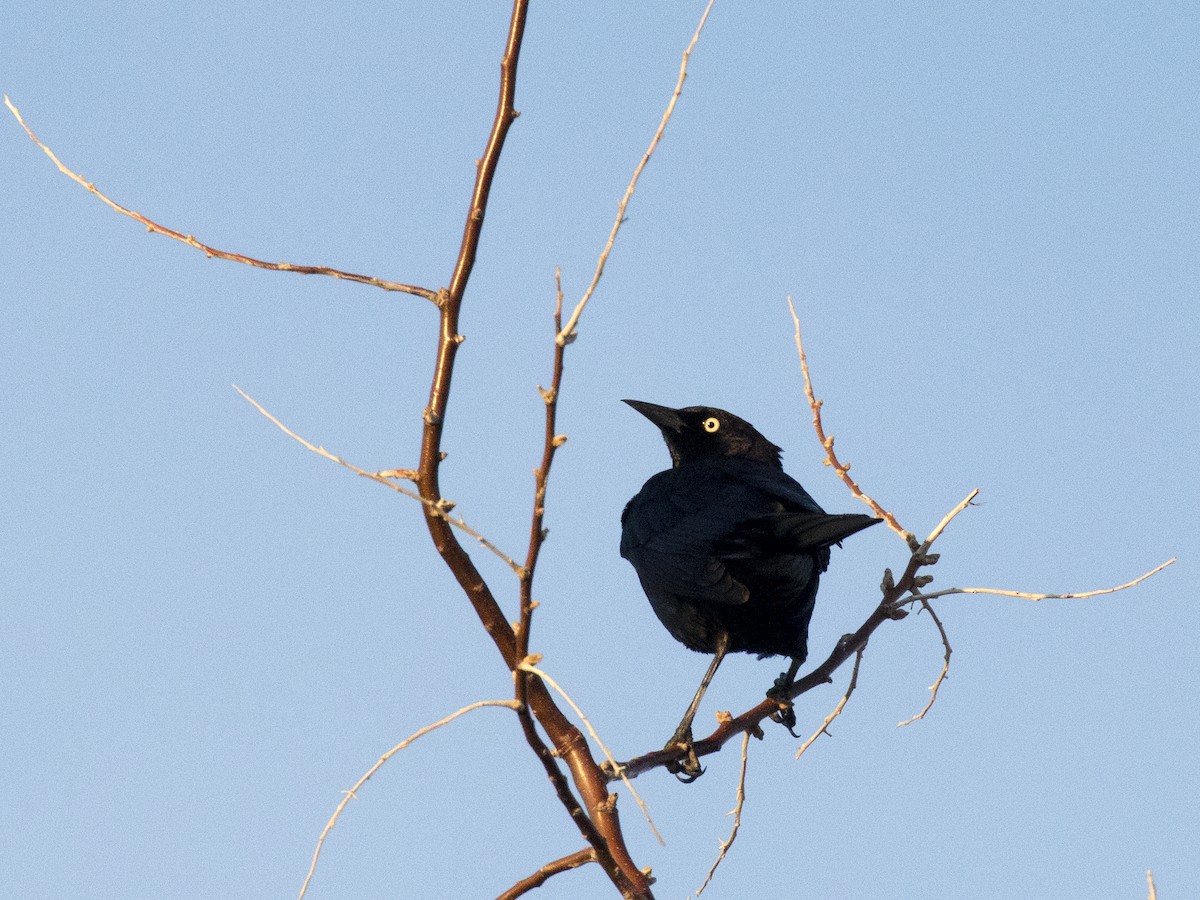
x: 786, y: 714
x: 688, y: 769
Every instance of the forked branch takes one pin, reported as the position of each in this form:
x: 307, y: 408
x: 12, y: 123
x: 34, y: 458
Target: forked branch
x: 596, y: 817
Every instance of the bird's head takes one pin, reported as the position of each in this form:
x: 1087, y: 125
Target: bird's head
x: 703, y: 432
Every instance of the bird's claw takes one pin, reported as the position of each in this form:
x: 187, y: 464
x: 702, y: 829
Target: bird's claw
x: 688, y: 768
x: 785, y: 715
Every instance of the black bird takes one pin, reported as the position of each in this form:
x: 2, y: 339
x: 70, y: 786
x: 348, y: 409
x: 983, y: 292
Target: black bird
x: 729, y: 548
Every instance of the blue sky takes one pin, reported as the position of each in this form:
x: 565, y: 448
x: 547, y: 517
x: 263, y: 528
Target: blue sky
x: 987, y: 215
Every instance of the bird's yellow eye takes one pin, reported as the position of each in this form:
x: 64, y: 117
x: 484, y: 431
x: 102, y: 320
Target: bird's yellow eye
x: 711, y: 424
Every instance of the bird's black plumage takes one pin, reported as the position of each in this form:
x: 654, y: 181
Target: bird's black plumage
x: 728, y: 547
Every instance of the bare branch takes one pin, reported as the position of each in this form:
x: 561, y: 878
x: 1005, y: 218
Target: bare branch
x: 600, y: 826
x: 1150, y: 884
x: 937, y: 683
x: 208, y: 251
x: 549, y: 760
x: 1083, y: 595
x: 949, y: 517
x: 546, y: 872
x: 534, y: 670
x: 567, y: 334
x: 353, y: 792
x: 837, y: 710
x: 551, y: 441
x: 831, y: 458
x: 736, y: 812
x: 439, y: 507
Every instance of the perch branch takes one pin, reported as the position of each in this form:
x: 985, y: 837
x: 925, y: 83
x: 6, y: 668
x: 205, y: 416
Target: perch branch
x: 207, y: 250
x: 750, y: 721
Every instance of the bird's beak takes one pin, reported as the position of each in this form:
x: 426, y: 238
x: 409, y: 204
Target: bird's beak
x: 668, y: 420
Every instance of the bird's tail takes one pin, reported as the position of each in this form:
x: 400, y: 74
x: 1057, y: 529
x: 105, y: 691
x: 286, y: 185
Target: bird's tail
x: 812, y: 532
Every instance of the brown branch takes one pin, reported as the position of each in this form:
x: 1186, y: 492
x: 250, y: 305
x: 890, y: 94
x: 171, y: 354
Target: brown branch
x: 831, y: 458
x: 601, y: 826
x: 353, y: 792
x: 207, y: 250
x: 937, y: 683
x: 567, y: 334
x: 521, y: 676
x: 736, y: 812
x: 449, y: 304
x: 551, y: 441
x: 546, y: 872
x: 549, y: 761
x: 530, y: 668
x: 837, y: 710
x: 568, y: 742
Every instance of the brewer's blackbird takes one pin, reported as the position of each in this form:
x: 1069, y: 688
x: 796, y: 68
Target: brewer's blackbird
x: 729, y: 549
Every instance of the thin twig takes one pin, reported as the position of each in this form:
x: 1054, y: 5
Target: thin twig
x: 949, y: 517
x: 1150, y: 884
x: 534, y: 670
x: 937, y: 684
x: 567, y: 334
x: 438, y: 507
x: 1081, y: 595
x: 208, y: 251
x: 837, y: 710
x: 831, y: 458
x: 551, y: 441
x: 546, y: 872
x: 736, y: 812
x: 353, y: 792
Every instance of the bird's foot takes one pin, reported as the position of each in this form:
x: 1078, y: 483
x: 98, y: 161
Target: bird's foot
x: 688, y: 768
x: 786, y: 714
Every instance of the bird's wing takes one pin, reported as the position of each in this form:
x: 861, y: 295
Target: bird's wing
x: 771, y: 484
x: 671, y: 533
